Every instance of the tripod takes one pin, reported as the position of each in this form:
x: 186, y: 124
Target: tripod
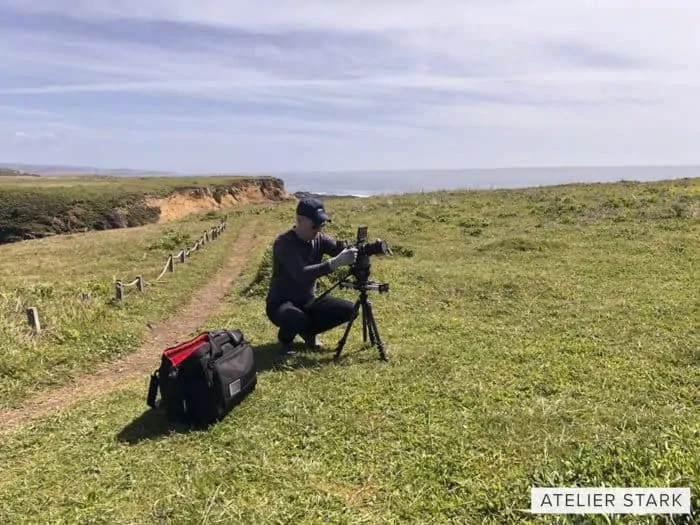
x: 369, y: 323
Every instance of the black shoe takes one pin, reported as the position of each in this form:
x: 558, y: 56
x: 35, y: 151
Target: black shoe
x: 313, y: 342
x: 286, y: 349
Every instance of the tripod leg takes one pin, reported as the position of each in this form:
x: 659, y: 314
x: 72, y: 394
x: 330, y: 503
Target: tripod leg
x: 365, y: 321
x: 371, y: 329
x: 374, y: 333
x: 343, y: 339
x: 368, y: 318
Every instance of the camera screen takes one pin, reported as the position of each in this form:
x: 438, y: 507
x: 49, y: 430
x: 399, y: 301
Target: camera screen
x: 361, y: 234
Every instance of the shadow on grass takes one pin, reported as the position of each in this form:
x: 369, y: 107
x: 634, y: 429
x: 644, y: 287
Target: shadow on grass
x: 268, y: 358
x: 149, y: 425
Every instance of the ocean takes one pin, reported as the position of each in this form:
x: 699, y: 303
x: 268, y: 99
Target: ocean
x: 368, y: 183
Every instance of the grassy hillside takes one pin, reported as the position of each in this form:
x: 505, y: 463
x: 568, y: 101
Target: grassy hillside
x: 71, y: 281
x: 32, y: 207
x: 536, y: 337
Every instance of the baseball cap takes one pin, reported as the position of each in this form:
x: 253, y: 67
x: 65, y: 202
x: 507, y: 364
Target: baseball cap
x: 313, y: 209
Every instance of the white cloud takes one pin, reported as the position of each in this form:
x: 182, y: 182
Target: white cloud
x: 18, y: 112
x: 35, y: 135
x: 600, y: 81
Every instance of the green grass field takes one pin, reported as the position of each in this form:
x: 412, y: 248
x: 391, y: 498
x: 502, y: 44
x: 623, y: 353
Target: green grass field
x: 100, y: 184
x: 538, y: 337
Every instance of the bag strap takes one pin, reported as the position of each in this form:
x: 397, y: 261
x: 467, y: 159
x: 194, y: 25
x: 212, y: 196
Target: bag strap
x: 216, y: 350
x: 152, y: 391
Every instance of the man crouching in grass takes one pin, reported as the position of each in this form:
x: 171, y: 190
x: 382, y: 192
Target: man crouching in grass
x: 296, y: 265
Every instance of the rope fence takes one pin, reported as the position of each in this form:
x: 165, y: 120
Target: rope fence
x: 139, y: 284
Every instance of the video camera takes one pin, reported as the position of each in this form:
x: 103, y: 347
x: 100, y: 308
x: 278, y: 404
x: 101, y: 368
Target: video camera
x: 360, y: 270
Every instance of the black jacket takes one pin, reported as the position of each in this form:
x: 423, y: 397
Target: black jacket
x: 297, y: 264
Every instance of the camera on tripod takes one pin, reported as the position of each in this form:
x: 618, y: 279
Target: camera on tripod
x: 360, y: 270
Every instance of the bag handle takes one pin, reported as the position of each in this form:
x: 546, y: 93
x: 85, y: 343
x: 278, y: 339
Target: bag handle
x: 216, y: 350
x: 236, y: 339
x: 236, y: 336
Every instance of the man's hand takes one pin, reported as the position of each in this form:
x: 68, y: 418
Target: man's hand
x: 388, y: 249
x: 345, y: 258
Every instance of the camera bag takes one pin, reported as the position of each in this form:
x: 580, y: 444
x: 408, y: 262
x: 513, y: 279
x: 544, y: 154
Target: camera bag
x: 202, y: 379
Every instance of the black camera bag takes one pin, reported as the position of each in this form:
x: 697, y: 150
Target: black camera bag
x: 202, y: 379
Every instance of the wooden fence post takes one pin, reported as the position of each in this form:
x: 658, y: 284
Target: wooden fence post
x: 119, y: 290
x: 182, y: 256
x: 171, y: 263
x: 139, y: 283
x: 33, y: 319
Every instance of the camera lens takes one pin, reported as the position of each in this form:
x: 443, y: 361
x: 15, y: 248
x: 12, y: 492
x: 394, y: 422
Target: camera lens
x: 377, y: 248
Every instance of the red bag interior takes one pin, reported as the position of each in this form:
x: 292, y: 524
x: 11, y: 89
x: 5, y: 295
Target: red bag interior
x: 177, y: 354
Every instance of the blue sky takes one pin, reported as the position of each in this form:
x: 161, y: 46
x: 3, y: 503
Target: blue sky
x: 275, y: 86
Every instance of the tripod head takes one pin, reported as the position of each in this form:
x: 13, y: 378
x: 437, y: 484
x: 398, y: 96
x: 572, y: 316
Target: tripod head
x: 366, y: 286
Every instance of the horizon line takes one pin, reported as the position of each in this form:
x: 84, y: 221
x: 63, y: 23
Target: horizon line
x: 160, y: 171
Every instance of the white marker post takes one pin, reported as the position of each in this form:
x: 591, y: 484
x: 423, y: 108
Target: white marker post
x: 33, y: 319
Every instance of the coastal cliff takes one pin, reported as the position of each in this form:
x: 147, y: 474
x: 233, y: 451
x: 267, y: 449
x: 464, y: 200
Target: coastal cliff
x: 47, y: 206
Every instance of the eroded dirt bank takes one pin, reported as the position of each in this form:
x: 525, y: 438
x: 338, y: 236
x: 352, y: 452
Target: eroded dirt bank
x: 201, y: 200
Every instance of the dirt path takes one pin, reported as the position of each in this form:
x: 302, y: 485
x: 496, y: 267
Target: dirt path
x: 203, y: 304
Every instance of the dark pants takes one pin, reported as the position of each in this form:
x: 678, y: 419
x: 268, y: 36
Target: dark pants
x: 326, y: 313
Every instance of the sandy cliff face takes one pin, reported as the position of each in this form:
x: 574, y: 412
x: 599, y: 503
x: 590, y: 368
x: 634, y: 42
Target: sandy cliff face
x: 201, y: 200
x: 26, y: 216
